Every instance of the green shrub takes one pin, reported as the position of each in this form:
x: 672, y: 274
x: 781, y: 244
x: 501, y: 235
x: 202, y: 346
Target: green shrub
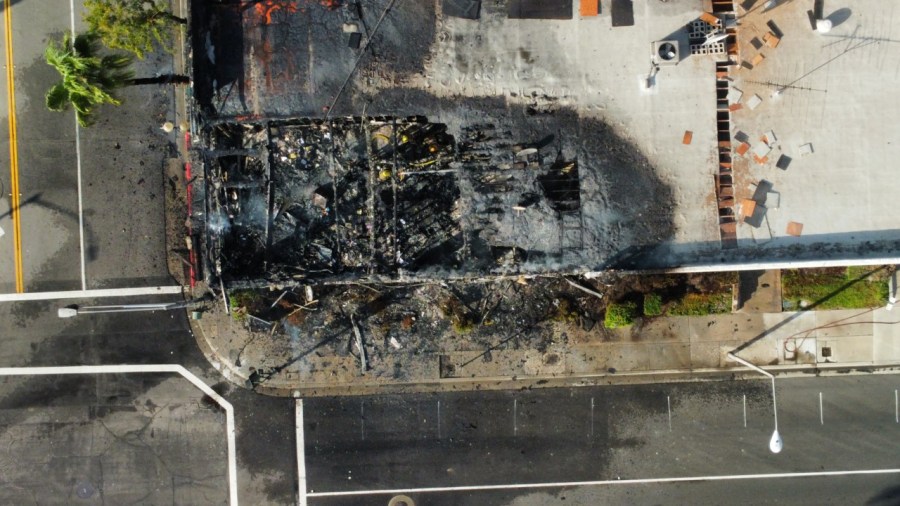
x: 455, y: 311
x: 699, y: 304
x: 244, y: 302
x: 620, y: 314
x: 652, y: 304
x: 566, y: 312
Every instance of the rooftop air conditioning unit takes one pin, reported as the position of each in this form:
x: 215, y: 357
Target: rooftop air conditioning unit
x: 665, y: 52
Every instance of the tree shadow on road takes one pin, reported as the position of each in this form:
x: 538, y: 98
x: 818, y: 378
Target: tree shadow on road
x: 91, y: 253
x: 887, y: 497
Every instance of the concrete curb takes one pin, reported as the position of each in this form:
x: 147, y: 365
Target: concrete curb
x: 225, y: 368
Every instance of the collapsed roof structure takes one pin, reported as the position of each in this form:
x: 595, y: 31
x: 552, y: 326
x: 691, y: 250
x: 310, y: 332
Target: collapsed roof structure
x: 401, y: 198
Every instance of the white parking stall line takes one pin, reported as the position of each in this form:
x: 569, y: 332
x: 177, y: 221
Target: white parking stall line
x: 301, y: 453
x: 568, y: 484
x: 669, y: 407
x: 592, y: 417
x: 92, y: 294
x: 515, y: 417
x: 745, y: 411
x: 821, y: 412
x: 149, y: 369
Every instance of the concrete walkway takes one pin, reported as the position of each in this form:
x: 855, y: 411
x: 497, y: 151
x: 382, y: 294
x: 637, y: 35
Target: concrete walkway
x: 661, y: 349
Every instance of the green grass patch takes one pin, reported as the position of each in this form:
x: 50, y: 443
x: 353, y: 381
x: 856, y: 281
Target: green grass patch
x: 244, y: 302
x: 620, y: 314
x: 652, y: 304
x: 700, y: 304
x: 840, y: 288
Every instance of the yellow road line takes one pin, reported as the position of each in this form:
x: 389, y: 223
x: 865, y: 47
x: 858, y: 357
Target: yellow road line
x: 13, y: 149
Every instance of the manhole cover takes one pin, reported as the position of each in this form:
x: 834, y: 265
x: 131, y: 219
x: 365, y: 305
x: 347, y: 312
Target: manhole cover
x: 401, y: 500
x: 84, y: 490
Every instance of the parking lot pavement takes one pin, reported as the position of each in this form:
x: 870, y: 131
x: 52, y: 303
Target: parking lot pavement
x: 400, y: 444
x: 110, y: 439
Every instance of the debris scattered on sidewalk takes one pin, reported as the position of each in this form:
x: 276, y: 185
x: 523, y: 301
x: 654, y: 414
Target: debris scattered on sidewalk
x: 481, y: 324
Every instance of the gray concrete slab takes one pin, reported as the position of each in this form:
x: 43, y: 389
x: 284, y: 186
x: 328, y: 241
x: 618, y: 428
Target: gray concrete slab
x: 851, y: 322
x: 885, y: 345
x: 669, y: 356
x: 759, y: 291
x: 737, y: 326
x: 666, y: 329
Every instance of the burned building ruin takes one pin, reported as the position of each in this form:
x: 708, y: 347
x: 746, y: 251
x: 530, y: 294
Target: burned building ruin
x: 302, y: 179
x: 386, y: 198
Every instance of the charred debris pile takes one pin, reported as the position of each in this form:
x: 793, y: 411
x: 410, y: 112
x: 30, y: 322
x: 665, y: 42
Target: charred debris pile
x: 289, y: 202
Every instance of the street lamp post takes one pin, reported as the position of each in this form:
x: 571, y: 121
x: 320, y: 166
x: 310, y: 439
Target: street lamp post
x: 775, y: 442
x: 74, y: 310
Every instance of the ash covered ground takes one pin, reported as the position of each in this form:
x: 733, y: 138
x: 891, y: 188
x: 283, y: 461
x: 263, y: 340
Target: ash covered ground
x: 384, y: 178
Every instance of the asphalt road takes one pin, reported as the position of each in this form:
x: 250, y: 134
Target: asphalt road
x: 550, y: 436
x: 182, y: 462
x: 368, y: 444
x: 121, y: 160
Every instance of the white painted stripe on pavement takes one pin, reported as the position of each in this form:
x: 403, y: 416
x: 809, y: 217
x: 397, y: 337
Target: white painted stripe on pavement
x: 78, y: 171
x: 92, y: 294
x: 150, y: 368
x: 301, y: 453
x: 568, y: 484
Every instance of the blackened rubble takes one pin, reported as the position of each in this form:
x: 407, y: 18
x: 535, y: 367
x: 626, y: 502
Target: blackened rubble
x: 399, y: 199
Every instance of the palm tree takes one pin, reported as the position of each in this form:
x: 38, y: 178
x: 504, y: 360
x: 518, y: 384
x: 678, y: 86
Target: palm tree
x: 89, y: 79
x: 132, y: 25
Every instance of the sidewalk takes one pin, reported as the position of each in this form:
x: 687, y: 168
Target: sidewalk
x: 665, y: 349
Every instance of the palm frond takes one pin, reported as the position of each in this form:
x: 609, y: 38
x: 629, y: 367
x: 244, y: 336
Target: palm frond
x: 88, y: 78
x: 86, y: 45
x: 85, y: 119
x: 57, y: 97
